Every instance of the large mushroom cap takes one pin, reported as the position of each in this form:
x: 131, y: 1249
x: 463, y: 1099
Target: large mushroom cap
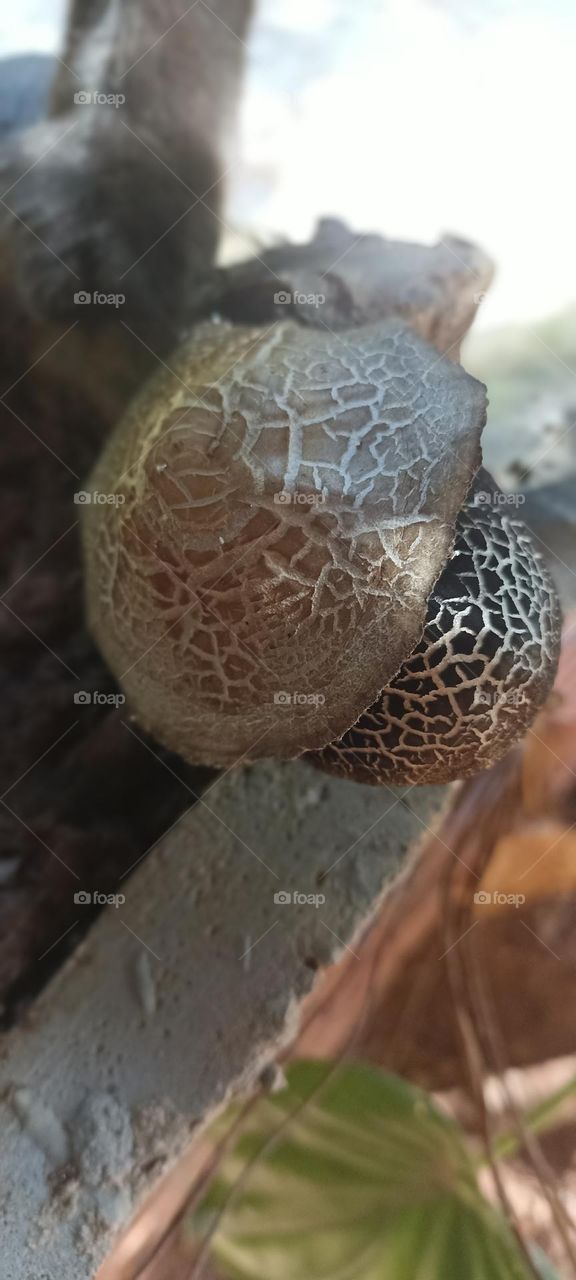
x: 273, y: 514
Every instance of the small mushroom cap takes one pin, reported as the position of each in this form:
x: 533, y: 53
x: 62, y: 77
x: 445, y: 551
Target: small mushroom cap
x: 481, y: 671
x: 279, y: 506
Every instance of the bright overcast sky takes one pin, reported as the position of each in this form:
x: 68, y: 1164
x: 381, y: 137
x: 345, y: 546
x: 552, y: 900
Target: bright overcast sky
x: 412, y: 117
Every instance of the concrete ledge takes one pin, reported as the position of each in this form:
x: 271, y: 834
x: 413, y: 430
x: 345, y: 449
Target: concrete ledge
x: 181, y: 994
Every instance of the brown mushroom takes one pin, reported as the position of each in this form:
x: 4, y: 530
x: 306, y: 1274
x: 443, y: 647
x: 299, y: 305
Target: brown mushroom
x: 270, y: 552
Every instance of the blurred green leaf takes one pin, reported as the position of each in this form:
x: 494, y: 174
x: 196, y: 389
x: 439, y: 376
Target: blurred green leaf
x: 350, y: 1174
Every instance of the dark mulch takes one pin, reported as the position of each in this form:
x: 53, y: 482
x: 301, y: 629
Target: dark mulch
x: 82, y: 798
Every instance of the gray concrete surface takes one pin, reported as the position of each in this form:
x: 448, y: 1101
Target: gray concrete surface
x: 180, y: 994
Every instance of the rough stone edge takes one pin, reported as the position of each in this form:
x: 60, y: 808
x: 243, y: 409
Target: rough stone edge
x: 135, y: 1042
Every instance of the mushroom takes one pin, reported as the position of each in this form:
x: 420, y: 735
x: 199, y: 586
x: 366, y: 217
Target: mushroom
x: 270, y: 550
x: 483, y: 667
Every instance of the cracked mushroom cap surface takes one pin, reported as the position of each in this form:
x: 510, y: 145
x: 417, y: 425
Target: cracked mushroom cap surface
x: 273, y: 514
x: 481, y: 670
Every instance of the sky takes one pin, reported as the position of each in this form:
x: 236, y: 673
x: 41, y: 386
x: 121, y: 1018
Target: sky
x: 409, y: 117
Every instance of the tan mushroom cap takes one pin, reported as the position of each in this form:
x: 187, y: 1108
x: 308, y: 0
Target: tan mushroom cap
x: 278, y: 508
